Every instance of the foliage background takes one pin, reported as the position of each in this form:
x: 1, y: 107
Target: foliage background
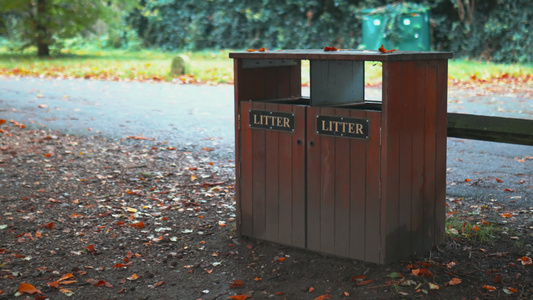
x: 495, y: 30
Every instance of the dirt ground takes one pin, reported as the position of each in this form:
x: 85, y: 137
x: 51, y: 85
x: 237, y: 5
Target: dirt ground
x: 88, y: 218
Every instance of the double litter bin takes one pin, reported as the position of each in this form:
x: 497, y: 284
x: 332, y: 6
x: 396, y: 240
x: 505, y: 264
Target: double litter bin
x: 335, y: 172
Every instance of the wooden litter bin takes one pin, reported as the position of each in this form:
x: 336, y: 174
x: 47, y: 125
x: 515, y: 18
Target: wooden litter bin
x: 334, y: 172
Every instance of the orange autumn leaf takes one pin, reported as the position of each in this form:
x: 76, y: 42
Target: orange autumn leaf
x: 2, y: 121
x: 238, y: 297
x: 38, y: 234
x: 50, y: 225
x: 383, y: 50
x: 159, y: 283
x: 454, y: 281
x: 68, y: 282
x: 261, y: 50
x: 507, y: 215
x: 138, y: 225
x: 281, y: 259
x: 251, y: 50
x: 54, y: 284
x: 326, y: 296
x: 526, y: 261
x: 90, y: 248
x: 103, y: 283
x: 327, y: 49
x: 365, y: 282
x: 499, y: 180
x: 26, y: 288
x: 66, y: 276
x: 193, y: 178
x: 236, y: 284
x: 489, y: 287
x: 468, y: 180
x: 133, y: 277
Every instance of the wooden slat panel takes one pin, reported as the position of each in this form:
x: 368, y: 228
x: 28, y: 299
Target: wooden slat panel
x: 289, y: 82
x: 430, y: 127
x: 273, y: 180
x: 391, y: 132
x: 285, y: 176
x: 417, y: 180
x: 271, y: 81
x: 314, y: 188
x: 237, y: 66
x: 258, y: 174
x: 440, y: 163
x: 406, y: 99
x: 327, y: 195
x: 245, y: 197
x: 373, y: 230
x: 299, y: 177
x: 342, y: 191
x: 359, y: 156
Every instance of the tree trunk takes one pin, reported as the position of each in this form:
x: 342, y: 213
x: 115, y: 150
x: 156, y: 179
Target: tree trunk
x: 43, y: 41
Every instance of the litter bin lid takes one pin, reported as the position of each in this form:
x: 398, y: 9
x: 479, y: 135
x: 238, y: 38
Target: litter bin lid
x: 348, y: 54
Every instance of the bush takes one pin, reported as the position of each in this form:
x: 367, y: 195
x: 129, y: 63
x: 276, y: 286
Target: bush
x: 495, y: 30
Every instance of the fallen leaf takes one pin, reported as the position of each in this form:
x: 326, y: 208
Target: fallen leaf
x: 365, y: 282
x: 159, y: 283
x: 454, y: 281
x: 26, y: 288
x: 327, y: 49
x: 326, y: 296
x: 90, y: 248
x: 383, y: 50
x: 281, y: 259
x: 102, y: 283
x: 236, y: 284
x: 433, y: 286
x: 238, y: 297
x: 133, y: 277
x: 489, y: 287
x: 66, y: 276
x: 2, y: 121
x: 526, y: 261
x: 54, y: 284
x: 65, y: 291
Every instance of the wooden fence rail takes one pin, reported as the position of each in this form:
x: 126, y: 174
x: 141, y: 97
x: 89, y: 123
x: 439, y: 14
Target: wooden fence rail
x: 494, y: 129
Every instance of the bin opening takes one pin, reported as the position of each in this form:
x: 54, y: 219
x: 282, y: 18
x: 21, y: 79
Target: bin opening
x: 350, y: 90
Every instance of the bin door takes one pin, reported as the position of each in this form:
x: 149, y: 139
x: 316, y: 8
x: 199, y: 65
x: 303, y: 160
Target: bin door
x: 272, y: 176
x: 343, y: 187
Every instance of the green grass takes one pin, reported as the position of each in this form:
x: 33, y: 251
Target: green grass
x: 210, y: 67
x: 460, y: 227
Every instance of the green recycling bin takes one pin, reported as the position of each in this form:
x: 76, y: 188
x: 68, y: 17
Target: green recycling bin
x: 403, y: 26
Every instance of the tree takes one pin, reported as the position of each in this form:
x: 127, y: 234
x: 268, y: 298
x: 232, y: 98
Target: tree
x: 43, y: 23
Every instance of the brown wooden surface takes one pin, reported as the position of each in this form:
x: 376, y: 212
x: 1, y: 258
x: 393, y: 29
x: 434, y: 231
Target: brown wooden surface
x: 320, y: 54
x: 343, y: 188
x: 414, y: 157
x: 378, y: 200
x: 440, y: 155
x: 273, y: 181
x: 490, y: 128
